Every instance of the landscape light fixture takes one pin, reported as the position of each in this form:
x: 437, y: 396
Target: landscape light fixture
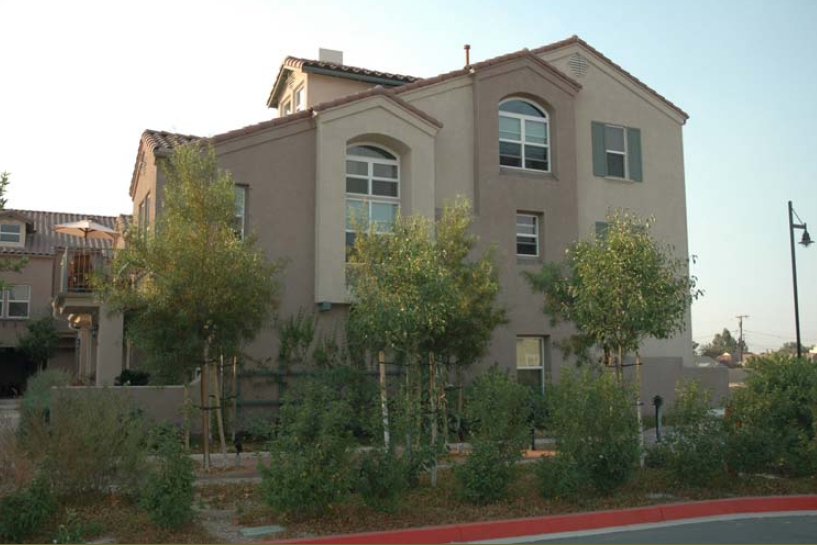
x: 805, y: 241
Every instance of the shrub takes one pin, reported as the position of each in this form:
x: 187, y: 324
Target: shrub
x: 486, y: 474
x: 74, y: 529
x: 36, y: 402
x: 17, y: 468
x: 695, y: 448
x: 25, y: 511
x: 775, y: 415
x: 95, y: 439
x: 168, y: 493
x: 594, y: 421
x: 383, y: 479
x: 310, y: 459
x: 498, y: 411
x: 559, y: 477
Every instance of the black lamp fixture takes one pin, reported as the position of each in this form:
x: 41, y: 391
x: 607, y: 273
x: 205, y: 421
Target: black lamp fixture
x: 805, y: 241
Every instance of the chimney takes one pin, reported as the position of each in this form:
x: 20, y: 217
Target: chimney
x: 467, y: 55
x: 330, y: 55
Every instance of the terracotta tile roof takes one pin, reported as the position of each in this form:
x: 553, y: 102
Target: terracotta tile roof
x: 250, y: 129
x: 377, y: 91
x: 522, y: 53
x: 576, y: 40
x: 339, y: 70
x: 163, y: 141
x: 43, y: 240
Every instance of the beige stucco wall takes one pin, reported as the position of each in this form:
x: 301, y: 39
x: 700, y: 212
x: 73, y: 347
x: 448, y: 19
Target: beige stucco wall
x: 147, y: 182
x: 278, y: 169
x: 609, y: 96
x: 38, y: 274
x: 375, y: 120
x: 320, y: 88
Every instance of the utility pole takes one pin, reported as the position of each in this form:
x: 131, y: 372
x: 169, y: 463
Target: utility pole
x: 740, y: 318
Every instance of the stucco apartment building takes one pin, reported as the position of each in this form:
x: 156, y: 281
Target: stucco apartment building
x: 56, y: 281
x: 542, y: 142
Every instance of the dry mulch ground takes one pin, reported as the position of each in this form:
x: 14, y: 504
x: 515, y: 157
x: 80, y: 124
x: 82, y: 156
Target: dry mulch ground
x: 427, y: 506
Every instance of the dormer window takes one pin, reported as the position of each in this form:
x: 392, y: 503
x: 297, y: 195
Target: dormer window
x: 12, y: 234
x: 286, y: 109
x: 299, y: 99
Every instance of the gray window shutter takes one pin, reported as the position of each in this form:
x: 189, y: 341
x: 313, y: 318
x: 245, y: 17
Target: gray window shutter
x: 634, y: 154
x: 599, y: 150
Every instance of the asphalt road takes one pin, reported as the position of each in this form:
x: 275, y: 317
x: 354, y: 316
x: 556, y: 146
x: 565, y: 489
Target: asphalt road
x: 777, y: 529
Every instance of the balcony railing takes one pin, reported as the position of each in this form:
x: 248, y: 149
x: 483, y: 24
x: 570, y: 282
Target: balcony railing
x: 78, y: 266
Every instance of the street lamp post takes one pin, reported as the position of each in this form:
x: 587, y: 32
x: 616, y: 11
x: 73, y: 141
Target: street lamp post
x: 805, y: 241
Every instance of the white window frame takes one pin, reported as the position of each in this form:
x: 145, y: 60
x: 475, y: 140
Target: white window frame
x: 536, y: 231
x: 368, y: 198
x: 541, y: 366
x: 21, y: 234
x: 299, y: 99
x: 545, y: 120
x: 286, y: 108
x: 8, y: 301
x: 616, y: 152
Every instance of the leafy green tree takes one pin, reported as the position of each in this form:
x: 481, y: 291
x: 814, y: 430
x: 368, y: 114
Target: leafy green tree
x: 790, y: 348
x: 723, y: 342
x: 7, y: 264
x: 617, y: 290
x: 40, y: 341
x: 419, y: 295
x: 191, y: 287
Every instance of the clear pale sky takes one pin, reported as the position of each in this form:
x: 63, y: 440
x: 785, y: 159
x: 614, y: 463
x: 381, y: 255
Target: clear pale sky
x: 80, y: 81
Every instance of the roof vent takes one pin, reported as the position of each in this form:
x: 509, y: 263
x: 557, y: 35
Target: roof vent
x: 330, y: 55
x: 578, y: 65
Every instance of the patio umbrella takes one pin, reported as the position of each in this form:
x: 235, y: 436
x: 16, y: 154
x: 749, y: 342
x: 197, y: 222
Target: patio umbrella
x: 86, y: 229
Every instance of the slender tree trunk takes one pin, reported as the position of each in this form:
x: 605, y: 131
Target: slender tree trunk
x: 442, y: 403
x: 205, y: 413
x: 641, y: 457
x: 220, y: 418
x: 432, y: 390
x: 186, y: 415
x: 384, y: 405
x: 460, y: 406
x: 235, y: 395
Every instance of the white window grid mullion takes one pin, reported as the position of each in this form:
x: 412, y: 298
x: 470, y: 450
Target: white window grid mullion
x: 522, y: 133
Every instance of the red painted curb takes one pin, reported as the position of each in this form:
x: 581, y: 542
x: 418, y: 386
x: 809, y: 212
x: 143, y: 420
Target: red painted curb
x: 478, y: 531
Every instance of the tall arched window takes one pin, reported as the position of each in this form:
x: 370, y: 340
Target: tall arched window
x: 524, y: 135
x: 372, y: 190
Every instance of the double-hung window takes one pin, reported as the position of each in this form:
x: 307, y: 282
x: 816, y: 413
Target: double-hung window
x: 616, y: 152
x: 532, y: 361
x: 372, y: 191
x: 524, y: 136
x: 527, y: 235
x: 11, y: 233
x: 18, y: 301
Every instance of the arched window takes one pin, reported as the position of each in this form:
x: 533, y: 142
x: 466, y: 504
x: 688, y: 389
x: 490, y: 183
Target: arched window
x: 524, y: 135
x: 372, y: 190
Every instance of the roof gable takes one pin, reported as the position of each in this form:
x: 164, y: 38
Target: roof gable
x: 575, y: 40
